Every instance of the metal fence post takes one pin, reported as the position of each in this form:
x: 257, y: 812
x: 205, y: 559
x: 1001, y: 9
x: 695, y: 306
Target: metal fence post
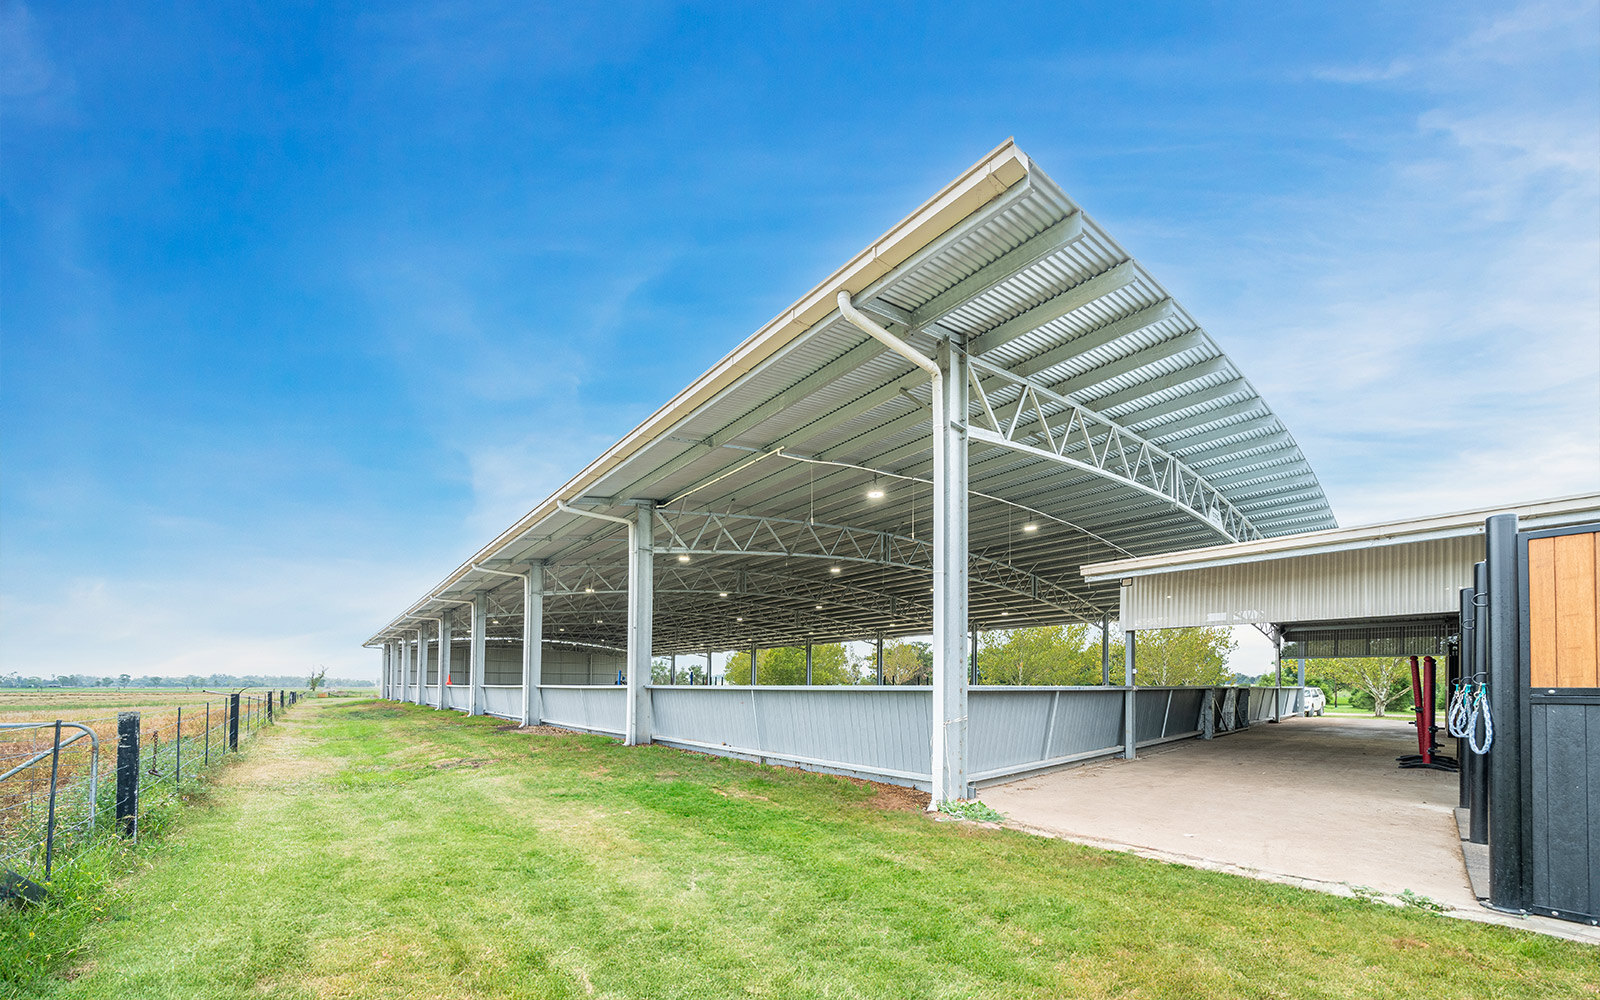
x: 50, y: 821
x: 269, y: 708
x: 233, y: 722
x: 177, y: 750
x: 208, y: 734
x: 128, y: 774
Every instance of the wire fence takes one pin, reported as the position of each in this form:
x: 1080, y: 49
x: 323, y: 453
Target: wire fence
x: 64, y: 781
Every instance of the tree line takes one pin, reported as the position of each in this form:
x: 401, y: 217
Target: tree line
x: 1050, y: 655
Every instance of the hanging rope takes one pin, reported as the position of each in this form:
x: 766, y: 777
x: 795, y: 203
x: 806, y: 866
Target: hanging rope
x: 1460, y: 714
x: 1480, y: 711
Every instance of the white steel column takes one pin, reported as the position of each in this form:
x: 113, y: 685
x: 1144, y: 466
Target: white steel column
x: 422, y: 661
x: 383, y: 675
x: 444, y: 659
x: 1128, y: 677
x: 532, y: 643
x: 480, y: 642
x: 405, y: 669
x: 949, y: 577
x: 641, y: 621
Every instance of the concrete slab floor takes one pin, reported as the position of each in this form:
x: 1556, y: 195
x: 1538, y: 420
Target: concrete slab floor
x: 1318, y: 803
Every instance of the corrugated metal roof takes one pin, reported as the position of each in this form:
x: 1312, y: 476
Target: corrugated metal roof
x: 811, y: 386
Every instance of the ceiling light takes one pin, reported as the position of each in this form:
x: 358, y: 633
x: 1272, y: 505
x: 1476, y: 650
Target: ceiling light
x: 819, y: 607
x: 683, y: 558
x: 494, y: 621
x: 588, y: 590
x: 875, y: 493
x: 722, y: 593
x: 1030, y: 526
x: 738, y: 619
x: 835, y: 570
x: 1004, y: 613
x: 562, y: 629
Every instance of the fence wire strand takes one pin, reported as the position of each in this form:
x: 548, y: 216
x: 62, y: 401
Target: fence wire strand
x: 175, y: 746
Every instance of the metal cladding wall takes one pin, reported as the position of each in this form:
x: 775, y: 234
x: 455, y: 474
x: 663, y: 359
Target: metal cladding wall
x: 596, y: 709
x: 503, y: 664
x: 504, y: 700
x: 1027, y: 728
x: 874, y: 731
x: 1414, y: 578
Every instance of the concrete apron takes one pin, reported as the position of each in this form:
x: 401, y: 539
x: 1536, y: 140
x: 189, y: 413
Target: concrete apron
x: 1315, y: 803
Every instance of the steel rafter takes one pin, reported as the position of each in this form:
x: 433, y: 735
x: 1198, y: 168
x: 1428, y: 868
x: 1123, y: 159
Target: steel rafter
x: 707, y: 533
x: 1041, y: 422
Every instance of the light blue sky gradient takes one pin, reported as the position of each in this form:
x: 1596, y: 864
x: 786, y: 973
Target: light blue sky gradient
x: 303, y: 302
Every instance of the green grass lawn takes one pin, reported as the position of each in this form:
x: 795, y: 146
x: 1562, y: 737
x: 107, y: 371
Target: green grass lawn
x: 364, y: 849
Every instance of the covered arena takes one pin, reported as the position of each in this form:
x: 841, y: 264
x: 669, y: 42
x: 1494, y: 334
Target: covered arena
x: 933, y: 441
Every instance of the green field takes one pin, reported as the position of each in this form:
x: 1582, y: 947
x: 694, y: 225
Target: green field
x: 365, y: 849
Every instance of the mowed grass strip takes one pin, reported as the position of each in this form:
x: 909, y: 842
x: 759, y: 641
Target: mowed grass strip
x: 373, y: 850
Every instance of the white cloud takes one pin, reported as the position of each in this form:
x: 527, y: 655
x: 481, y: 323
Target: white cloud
x: 1445, y: 345
x: 261, y: 614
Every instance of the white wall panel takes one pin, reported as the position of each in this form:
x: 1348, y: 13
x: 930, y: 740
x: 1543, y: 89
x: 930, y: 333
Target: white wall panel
x: 1410, y: 579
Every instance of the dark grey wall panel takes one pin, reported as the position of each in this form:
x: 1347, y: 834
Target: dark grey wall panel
x: 1565, y: 798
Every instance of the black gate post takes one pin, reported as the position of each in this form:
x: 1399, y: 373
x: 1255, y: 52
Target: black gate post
x: 269, y: 707
x: 233, y: 722
x: 128, y: 774
x: 1508, y: 759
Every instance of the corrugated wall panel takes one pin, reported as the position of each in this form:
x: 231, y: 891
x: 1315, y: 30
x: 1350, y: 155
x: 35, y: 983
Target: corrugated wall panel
x: 504, y: 700
x: 871, y: 730
x: 601, y: 709
x: 1410, y: 579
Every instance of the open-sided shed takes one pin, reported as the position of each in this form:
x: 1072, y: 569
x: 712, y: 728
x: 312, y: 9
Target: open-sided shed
x: 933, y: 440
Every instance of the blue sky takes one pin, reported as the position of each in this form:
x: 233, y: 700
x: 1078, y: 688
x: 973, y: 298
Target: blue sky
x: 301, y: 302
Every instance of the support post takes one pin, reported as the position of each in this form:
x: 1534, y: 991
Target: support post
x: 641, y: 621
x: 1105, y: 650
x: 1510, y: 767
x: 480, y: 650
x: 422, y: 660
x: 1300, y: 678
x: 972, y: 646
x: 950, y: 503
x: 753, y: 652
x: 383, y: 673
x: 808, y: 663
x: 405, y: 670
x: 445, y: 639
x: 532, y: 643
x: 233, y: 722
x: 1277, y: 693
x: 879, y: 661
x: 128, y: 774
x: 1129, y: 674
x: 269, y: 708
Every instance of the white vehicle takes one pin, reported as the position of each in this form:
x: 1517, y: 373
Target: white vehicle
x: 1312, y: 701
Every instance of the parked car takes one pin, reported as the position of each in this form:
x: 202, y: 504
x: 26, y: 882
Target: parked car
x: 1314, y: 701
